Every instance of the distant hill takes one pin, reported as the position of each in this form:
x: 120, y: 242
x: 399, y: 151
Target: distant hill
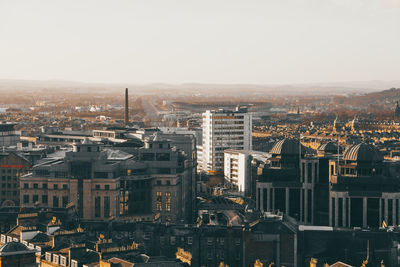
x: 335, y: 88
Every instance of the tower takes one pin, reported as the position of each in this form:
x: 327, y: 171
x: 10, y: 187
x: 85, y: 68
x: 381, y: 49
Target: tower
x: 126, y: 107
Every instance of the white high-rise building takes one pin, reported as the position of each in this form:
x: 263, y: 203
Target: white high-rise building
x: 237, y: 168
x: 223, y: 130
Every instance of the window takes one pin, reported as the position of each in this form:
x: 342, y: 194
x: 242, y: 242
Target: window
x: 106, y: 207
x: 64, y: 201
x: 35, y: 199
x: 107, y: 187
x: 63, y: 261
x: 55, y: 259
x: 309, y: 172
x: 221, y: 254
x: 44, y: 186
x: 316, y: 172
x: 89, y: 149
x: 160, y: 145
x: 168, y: 201
x: 159, y: 201
x: 158, y: 182
x: 65, y: 186
x: 55, y: 201
x: 164, y: 171
x: 168, y: 182
x: 97, y: 187
x: 237, y: 241
x: 147, y: 156
x: 35, y: 186
x: 209, y: 254
x: 44, y: 199
x: 26, y: 186
x: 26, y: 199
x: 163, y: 156
x: 97, y: 207
x: 55, y: 186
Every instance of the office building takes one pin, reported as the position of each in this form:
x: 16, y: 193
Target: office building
x: 105, y: 183
x: 86, y: 177
x: 223, y: 130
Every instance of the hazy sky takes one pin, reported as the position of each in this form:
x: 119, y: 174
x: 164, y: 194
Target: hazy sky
x: 209, y: 41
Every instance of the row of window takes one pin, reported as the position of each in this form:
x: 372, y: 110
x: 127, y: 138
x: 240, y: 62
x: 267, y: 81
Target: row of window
x: 159, y: 202
x: 9, y: 171
x: 159, y: 182
x: 3, y: 178
x: 44, y: 200
x: 44, y: 186
x: 64, y: 186
x: 229, y: 133
x: 8, y: 185
x: 9, y: 193
x: 228, y: 122
x: 106, y: 187
x: 160, y: 145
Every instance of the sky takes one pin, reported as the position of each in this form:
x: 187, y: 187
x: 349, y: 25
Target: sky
x: 202, y: 41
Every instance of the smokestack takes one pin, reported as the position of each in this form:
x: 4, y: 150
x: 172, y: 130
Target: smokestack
x: 126, y: 107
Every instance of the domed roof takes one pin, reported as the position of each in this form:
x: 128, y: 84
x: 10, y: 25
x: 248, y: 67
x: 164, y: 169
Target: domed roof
x: 329, y: 147
x: 13, y: 247
x: 363, y: 152
x: 287, y: 146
